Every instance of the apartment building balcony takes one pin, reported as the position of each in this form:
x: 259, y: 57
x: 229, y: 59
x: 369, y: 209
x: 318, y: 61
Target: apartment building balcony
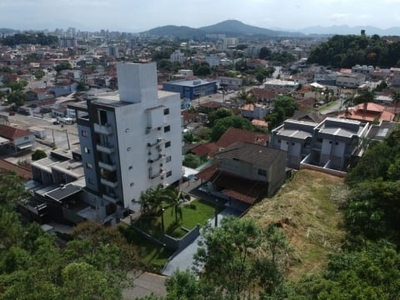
x: 112, y: 183
x: 157, y: 144
x: 111, y: 198
x: 107, y: 166
x: 105, y: 148
x: 103, y: 129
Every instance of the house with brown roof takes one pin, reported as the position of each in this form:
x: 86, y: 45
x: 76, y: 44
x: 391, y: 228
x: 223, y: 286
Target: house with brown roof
x: 234, y: 135
x: 245, y: 173
x: 13, y: 139
x: 368, y: 113
x: 254, y: 111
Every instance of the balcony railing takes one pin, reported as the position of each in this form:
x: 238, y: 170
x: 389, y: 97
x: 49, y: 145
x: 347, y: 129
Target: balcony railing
x: 107, y: 166
x: 110, y: 198
x: 108, y: 149
x: 112, y: 183
x: 103, y: 129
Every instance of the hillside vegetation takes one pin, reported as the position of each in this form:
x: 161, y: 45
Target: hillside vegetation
x: 307, y: 210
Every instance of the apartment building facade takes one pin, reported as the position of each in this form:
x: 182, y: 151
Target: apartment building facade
x: 130, y: 141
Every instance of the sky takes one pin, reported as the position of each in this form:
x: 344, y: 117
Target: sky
x: 142, y: 15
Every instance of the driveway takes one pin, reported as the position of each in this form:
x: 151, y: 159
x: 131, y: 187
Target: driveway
x: 145, y: 284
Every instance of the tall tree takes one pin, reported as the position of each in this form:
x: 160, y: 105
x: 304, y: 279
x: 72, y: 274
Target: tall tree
x: 396, y: 99
x: 366, y: 96
x: 176, y: 200
x: 254, y: 258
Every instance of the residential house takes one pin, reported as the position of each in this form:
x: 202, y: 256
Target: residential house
x: 64, y: 88
x: 245, y: 173
x: 13, y: 139
x: 255, y: 111
x: 230, y: 83
x: 364, y: 69
x: 369, y: 112
x: 352, y: 81
x: 280, y: 84
x: 329, y: 146
x: 234, y: 135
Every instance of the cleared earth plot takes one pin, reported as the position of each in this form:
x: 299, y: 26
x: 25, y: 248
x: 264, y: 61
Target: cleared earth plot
x: 306, y: 208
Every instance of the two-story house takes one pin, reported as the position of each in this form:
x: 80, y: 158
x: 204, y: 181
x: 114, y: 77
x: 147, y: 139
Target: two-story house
x: 331, y: 144
x: 245, y: 173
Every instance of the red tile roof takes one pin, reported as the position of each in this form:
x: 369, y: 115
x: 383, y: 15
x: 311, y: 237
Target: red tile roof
x: 12, y: 133
x: 373, y: 111
x: 5, y: 165
x: 208, y: 149
x: 233, y: 135
x: 260, y: 123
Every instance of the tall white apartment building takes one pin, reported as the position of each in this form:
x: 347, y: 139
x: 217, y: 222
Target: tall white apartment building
x: 177, y: 56
x: 130, y: 141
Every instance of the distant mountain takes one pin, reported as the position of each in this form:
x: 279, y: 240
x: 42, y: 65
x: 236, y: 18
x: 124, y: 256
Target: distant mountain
x: 345, y: 29
x: 229, y: 27
x: 7, y: 30
x: 172, y: 30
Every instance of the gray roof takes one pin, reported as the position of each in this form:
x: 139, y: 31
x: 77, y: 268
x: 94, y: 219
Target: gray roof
x: 63, y: 192
x: 191, y: 83
x: 250, y: 153
x: 382, y: 131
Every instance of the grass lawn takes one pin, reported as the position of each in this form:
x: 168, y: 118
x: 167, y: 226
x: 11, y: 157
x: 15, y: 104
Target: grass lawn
x: 152, y: 256
x: 198, y: 212
x: 307, y: 209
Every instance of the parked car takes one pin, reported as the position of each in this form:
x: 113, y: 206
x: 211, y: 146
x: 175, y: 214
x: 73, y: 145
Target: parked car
x: 56, y: 123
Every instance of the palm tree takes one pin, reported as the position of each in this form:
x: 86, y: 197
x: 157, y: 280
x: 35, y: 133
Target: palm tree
x: 396, y: 99
x: 152, y: 199
x: 176, y: 199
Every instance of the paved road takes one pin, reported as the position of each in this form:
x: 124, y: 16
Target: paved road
x: 145, y: 284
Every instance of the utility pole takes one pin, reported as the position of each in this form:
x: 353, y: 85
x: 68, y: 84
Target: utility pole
x: 69, y: 146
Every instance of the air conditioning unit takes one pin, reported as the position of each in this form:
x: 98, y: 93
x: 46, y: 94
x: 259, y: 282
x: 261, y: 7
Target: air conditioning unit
x: 159, y: 140
x: 162, y: 177
x: 148, y: 145
x: 159, y: 128
x: 161, y: 165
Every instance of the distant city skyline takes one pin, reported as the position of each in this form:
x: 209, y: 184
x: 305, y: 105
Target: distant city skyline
x: 138, y: 16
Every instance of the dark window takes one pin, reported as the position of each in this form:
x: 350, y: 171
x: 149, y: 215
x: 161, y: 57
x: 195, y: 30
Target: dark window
x: 168, y: 159
x: 84, y: 133
x: 86, y: 150
x: 167, y: 144
x: 166, y: 111
x: 169, y: 173
x: 262, y: 172
x: 167, y: 128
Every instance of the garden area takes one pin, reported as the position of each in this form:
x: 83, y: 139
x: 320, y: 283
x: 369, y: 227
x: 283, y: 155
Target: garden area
x: 190, y: 214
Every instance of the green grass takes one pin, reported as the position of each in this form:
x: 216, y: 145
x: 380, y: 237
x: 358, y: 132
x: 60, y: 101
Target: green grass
x: 198, y: 212
x: 152, y: 256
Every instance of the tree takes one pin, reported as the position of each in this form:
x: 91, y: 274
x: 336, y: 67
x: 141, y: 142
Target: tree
x: 369, y: 274
x: 176, y: 200
x: 17, y: 98
x: 63, y: 66
x: 222, y: 125
x: 396, y: 99
x: 284, y: 107
x: 38, y: 154
x: 265, y: 53
x: 255, y: 259
x: 39, y: 74
x: 191, y: 161
x: 152, y: 199
x: 218, y: 114
x: 12, y: 190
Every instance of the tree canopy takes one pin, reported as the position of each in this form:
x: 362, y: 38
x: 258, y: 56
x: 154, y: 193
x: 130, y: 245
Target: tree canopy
x: 345, y: 51
x: 29, y: 38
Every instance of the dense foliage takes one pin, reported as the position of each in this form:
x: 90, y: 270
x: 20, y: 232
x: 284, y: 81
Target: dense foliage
x: 284, y: 108
x: 345, y: 51
x: 29, y: 38
x: 33, y: 266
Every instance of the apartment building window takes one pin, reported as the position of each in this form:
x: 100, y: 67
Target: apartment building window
x: 168, y: 159
x: 166, y: 111
x: 169, y: 173
x: 86, y: 150
x: 262, y: 172
x: 167, y: 128
x: 167, y: 144
x: 26, y: 138
x: 84, y: 133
